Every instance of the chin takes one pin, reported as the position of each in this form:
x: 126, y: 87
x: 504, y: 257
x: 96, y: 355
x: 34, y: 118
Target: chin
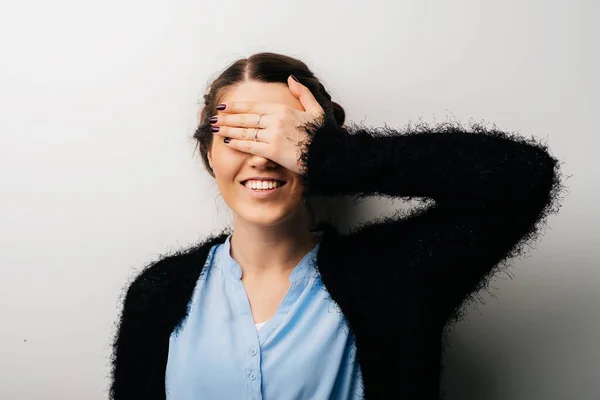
x: 266, y: 216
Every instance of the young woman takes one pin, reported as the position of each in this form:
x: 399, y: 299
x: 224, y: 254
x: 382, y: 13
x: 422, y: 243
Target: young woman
x: 278, y: 308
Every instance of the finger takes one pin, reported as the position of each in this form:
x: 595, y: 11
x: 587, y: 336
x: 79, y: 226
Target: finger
x: 241, y: 120
x: 243, y: 133
x: 308, y: 101
x: 251, y: 107
x: 249, y: 146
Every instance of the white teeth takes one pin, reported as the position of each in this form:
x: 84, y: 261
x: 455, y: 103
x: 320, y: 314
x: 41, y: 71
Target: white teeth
x: 262, y: 185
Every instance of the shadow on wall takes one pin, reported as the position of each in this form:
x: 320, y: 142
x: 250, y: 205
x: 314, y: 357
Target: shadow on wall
x: 539, y: 343
x: 468, y: 374
x: 345, y: 212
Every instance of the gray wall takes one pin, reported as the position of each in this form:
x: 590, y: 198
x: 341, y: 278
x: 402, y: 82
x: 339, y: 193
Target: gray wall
x: 98, y: 101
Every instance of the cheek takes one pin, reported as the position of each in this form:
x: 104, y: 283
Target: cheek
x: 227, y: 165
x: 224, y: 163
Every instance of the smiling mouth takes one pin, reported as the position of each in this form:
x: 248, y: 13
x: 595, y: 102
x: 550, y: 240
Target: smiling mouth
x: 281, y: 184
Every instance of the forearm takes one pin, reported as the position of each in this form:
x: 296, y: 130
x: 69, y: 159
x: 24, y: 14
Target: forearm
x: 455, y: 167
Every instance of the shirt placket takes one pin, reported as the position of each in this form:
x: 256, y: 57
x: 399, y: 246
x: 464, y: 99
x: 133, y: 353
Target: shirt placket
x: 250, y: 346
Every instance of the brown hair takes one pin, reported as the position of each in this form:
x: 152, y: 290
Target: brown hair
x: 262, y: 67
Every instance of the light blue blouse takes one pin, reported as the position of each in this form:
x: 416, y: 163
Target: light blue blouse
x: 305, y: 351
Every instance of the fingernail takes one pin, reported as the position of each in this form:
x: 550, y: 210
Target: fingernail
x: 221, y: 107
x: 215, y: 128
x: 294, y: 78
x: 212, y: 120
x: 227, y: 140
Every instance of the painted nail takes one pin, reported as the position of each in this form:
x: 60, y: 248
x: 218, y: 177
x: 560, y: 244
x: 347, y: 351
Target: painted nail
x: 215, y: 128
x: 294, y: 78
x: 221, y: 107
x: 212, y: 120
x: 227, y: 140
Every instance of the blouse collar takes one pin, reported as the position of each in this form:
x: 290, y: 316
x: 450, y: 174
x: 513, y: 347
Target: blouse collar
x: 305, y: 268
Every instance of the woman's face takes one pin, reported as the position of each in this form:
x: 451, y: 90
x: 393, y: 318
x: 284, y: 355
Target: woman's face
x: 231, y: 167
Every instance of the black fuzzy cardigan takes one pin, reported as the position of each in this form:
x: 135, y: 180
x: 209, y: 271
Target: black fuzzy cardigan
x: 400, y: 280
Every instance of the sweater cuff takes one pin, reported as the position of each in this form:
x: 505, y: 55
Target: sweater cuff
x: 318, y: 154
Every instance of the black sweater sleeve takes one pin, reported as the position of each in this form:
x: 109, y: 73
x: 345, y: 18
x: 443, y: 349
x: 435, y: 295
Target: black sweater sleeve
x: 139, y: 347
x: 490, y: 191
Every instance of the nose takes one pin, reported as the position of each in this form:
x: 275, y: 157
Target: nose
x: 261, y: 162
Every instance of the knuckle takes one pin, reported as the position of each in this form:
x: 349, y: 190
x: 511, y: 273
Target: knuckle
x: 278, y: 122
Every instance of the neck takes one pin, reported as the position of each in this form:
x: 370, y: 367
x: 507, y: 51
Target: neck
x: 270, y: 251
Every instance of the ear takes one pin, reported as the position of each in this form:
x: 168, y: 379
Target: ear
x: 209, y: 155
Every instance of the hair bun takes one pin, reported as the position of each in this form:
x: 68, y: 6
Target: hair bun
x: 338, y: 113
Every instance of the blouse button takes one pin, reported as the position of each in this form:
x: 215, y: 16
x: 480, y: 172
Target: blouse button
x: 253, y: 352
x: 252, y: 376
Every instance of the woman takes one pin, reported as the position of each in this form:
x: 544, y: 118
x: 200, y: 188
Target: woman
x: 279, y: 309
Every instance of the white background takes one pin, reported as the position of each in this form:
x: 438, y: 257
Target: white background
x: 98, y: 103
